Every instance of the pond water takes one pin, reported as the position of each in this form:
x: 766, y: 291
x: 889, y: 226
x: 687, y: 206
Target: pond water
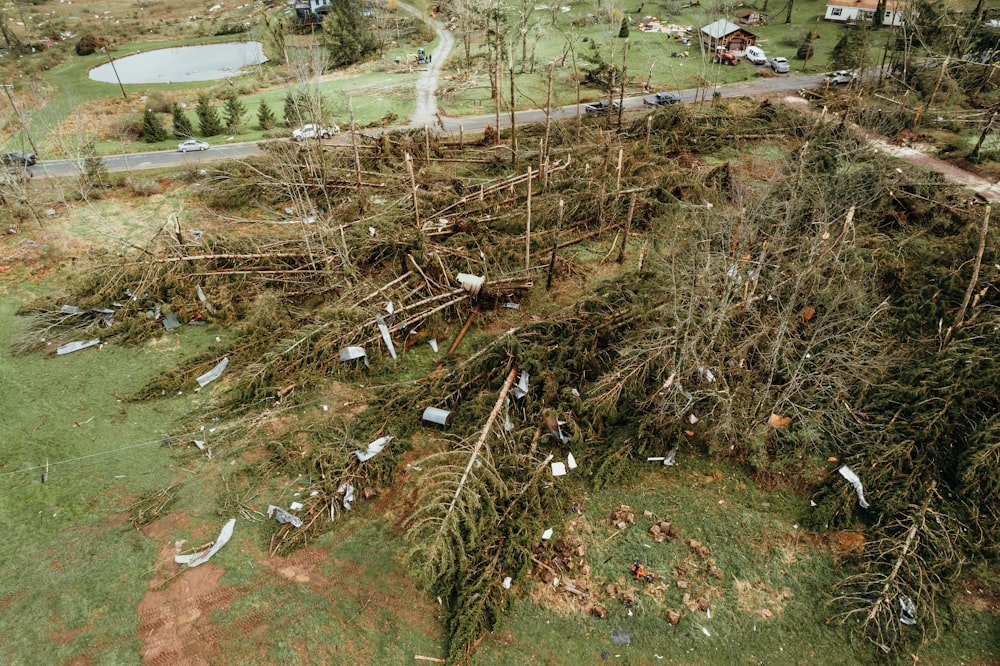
x: 204, y: 62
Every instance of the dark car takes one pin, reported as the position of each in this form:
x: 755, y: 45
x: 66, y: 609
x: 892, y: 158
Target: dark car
x: 17, y: 158
x: 662, y: 99
x: 598, y: 107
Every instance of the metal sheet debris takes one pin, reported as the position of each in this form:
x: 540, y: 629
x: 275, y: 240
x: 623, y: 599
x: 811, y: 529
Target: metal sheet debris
x: 374, y: 448
x: 194, y: 559
x: 199, y: 443
x: 170, y: 321
x: 510, y: 305
x: 619, y: 637
x: 671, y: 457
x: 853, y: 479
x: 571, y: 461
x: 214, y: 373
x: 71, y: 347
x: 295, y: 506
x: 907, y: 610
x: 71, y: 309
x: 558, y: 469
x: 547, y: 534
x: 353, y: 354
x: 348, y: 491
x: 471, y: 283
x: 283, y: 516
x: 434, y: 344
x: 384, y: 330
x: 520, y: 389
x: 508, y: 425
x: 441, y: 417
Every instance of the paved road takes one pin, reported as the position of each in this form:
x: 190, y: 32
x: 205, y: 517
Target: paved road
x: 159, y: 159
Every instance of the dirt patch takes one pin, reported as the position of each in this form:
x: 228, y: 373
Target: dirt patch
x: 977, y: 595
x: 301, y: 567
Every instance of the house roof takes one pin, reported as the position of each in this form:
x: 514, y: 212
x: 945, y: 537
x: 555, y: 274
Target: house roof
x: 865, y: 4
x: 721, y: 28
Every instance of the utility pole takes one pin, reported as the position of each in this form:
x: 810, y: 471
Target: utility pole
x: 115, y: 70
x: 7, y: 88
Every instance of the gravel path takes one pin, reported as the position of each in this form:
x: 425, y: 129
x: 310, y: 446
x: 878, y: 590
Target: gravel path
x: 425, y: 111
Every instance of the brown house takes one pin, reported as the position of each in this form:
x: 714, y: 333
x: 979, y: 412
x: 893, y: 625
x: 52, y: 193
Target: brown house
x: 727, y: 35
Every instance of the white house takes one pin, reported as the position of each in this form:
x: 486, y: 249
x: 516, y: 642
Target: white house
x: 852, y: 11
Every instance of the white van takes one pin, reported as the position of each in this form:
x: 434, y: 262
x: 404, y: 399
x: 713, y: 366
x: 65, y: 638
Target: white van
x: 755, y: 54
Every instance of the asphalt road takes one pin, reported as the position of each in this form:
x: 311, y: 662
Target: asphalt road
x: 172, y: 159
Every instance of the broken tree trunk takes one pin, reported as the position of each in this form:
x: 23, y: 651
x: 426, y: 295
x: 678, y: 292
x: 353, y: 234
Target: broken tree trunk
x: 507, y: 384
x: 960, y: 317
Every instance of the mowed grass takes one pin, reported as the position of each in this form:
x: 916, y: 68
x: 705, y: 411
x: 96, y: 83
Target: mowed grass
x: 73, y: 573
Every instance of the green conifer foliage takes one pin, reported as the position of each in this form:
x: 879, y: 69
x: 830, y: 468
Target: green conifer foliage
x: 182, y: 124
x: 209, y: 123
x: 152, y: 129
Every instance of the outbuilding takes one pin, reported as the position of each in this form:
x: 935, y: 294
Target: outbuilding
x: 726, y: 34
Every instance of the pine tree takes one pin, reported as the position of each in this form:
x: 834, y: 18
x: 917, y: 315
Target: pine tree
x: 265, y: 117
x: 292, y: 113
x: 152, y: 129
x: 347, y: 33
x: 235, y: 110
x: 182, y: 124
x: 623, y: 31
x: 209, y: 123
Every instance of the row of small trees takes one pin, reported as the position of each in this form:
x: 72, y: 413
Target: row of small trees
x: 211, y: 123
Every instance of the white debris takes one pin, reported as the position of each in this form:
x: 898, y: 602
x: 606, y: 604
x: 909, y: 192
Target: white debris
x: 571, y: 461
x: 295, y: 506
x: 194, y: 559
x: 853, y: 479
x: 373, y: 448
x: 214, y: 373
x: 558, y: 469
x: 547, y: 534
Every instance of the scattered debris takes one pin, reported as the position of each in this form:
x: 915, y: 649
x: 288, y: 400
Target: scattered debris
x: 348, y: 491
x: 471, y: 283
x: 853, y: 479
x: 214, y: 373
x: 673, y: 617
x: 598, y: 611
x: 558, y: 469
x: 436, y: 660
x: 619, y: 637
x: 506, y: 582
x: 520, y: 389
x: 283, y: 516
x: 907, y: 610
x: 194, y: 559
x: 348, y: 354
x: 778, y: 421
x: 170, y: 321
x: 671, y: 457
x: 384, y: 330
x: 441, y: 417
x: 547, y: 534
x: 71, y: 347
x: 434, y: 344
x: 374, y: 447
x: 555, y: 427
x: 640, y: 572
x: 71, y: 309
x: 571, y: 461
x: 295, y: 506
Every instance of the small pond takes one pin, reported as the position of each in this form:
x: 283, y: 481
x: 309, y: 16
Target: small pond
x: 205, y: 62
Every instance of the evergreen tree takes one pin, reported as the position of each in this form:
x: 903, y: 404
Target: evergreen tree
x: 623, y: 31
x: 235, y: 111
x: 209, y: 123
x: 265, y: 117
x: 152, y: 129
x: 347, y: 33
x: 292, y: 112
x: 182, y: 124
x: 850, y: 49
x: 805, y: 48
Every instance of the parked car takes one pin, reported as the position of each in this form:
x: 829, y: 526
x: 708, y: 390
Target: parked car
x: 312, y: 130
x: 839, y: 77
x: 779, y: 64
x: 756, y: 55
x: 17, y: 158
x: 598, y: 107
x: 662, y: 99
x: 191, y: 145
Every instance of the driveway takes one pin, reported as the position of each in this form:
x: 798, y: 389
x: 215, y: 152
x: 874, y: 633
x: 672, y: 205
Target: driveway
x: 425, y: 110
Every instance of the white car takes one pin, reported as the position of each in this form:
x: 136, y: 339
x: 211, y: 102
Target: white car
x: 192, y: 144
x: 779, y: 64
x: 311, y: 131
